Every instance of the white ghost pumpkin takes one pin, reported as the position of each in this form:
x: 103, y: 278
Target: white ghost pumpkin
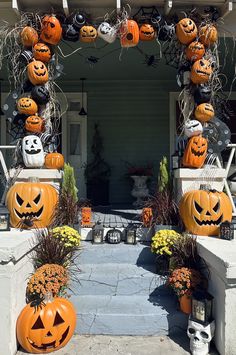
x: 32, y: 152
x: 107, y: 32
x: 192, y: 128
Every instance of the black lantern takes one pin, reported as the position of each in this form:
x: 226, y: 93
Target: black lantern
x: 4, y: 219
x: 131, y: 234
x: 114, y: 236
x: 227, y: 230
x: 98, y: 233
x: 201, y: 307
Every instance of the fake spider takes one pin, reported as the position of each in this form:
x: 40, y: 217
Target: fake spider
x: 92, y: 60
x: 151, y: 60
x: 24, y: 223
x: 37, y: 303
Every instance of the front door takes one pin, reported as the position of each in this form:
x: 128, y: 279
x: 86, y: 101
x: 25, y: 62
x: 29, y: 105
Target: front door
x: 74, y: 139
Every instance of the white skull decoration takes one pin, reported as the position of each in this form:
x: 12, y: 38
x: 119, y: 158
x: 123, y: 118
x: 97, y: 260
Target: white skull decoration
x: 192, y: 128
x: 32, y: 152
x: 107, y: 32
x: 200, y: 336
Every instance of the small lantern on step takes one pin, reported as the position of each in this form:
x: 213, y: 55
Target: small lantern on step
x: 97, y: 233
x: 114, y: 236
x: 86, y: 215
x: 227, y: 230
x: 4, y: 219
x: 131, y: 235
x: 201, y: 307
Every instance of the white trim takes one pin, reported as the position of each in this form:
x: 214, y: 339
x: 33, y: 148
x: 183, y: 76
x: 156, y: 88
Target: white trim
x: 173, y: 97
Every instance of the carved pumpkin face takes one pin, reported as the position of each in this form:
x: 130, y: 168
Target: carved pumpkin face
x: 33, y: 200
x: 29, y: 36
x: 34, y: 124
x: 54, y: 161
x: 204, y: 112
x: 46, y: 328
x: 147, y: 32
x: 129, y: 33
x: 203, y: 211
x: 195, y: 152
x: 186, y: 30
x: 42, y: 52
x: 107, y: 32
x: 27, y: 106
x: 208, y: 35
x: 86, y: 216
x: 201, y: 71
x: 40, y: 94
x: 195, y: 51
x: 51, y: 30
x: 192, y: 128
x: 32, y: 152
x: 147, y: 216
x: 88, y: 34
x: 37, y: 72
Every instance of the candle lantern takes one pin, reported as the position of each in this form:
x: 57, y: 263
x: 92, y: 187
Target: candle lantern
x: 131, y: 235
x: 114, y: 236
x: 202, y: 307
x: 227, y: 230
x: 98, y: 233
x: 4, y: 219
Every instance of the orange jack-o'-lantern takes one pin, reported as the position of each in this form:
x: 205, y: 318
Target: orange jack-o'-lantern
x: 195, y: 152
x: 31, y: 201
x: 29, y: 36
x: 86, y: 214
x: 201, y: 71
x: 204, y: 112
x: 27, y: 106
x: 88, y: 34
x: 129, y: 34
x: 147, y: 32
x: 34, y: 124
x: 203, y: 211
x: 208, y: 35
x: 37, y: 72
x: 51, y: 30
x: 195, y: 51
x: 42, y: 52
x: 54, y: 161
x: 47, y: 327
x: 147, y: 216
x: 186, y: 30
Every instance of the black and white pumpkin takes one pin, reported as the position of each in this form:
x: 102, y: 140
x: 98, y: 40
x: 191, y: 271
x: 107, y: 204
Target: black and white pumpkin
x: 32, y: 152
x: 107, y: 32
x: 114, y: 236
x: 192, y: 128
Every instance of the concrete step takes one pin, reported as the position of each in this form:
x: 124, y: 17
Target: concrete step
x: 127, y: 315
x: 139, y: 254
x: 119, y: 279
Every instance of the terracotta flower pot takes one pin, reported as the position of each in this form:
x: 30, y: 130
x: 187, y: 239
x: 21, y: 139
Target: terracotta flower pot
x: 185, y: 303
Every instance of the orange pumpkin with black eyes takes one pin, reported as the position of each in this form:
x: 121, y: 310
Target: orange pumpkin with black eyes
x: 195, y: 152
x: 202, y: 211
x: 27, y: 106
x: 208, y: 35
x: 42, y: 52
x: 88, y: 34
x: 34, y: 124
x: 51, y: 30
x: 46, y: 328
x: 201, y: 71
x: 37, y: 72
x: 204, y: 112
x: 195, y: 51
x: 54, y: 161
x: 147, y: 32
x: 129, y: 34
x: 29, y: 36
x: 186, y: 30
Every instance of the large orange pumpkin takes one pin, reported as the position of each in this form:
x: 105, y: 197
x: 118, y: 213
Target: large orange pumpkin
x: 195, y: 152
x: 51, y: 30
x: 203, y: 211
x: 34, y: 201
x: 34, y: 124
x: 208, y: 35
x: 42, y: 52
x: 54, y: 161
x: 27, y: 106
x: 29, y: 36
x: 186, y: 30
x: 147, y: 32
x: 201, y: 71
x: 204, y: 112
x: 47, y: 327
x: 37, y: 72
x: 195, y: 51
x: 88, y: 34
x: 129, y: 34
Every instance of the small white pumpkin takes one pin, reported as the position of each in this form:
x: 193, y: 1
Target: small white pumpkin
x: 107, y: 32
x: 192, y: 128
x: 32, y: 152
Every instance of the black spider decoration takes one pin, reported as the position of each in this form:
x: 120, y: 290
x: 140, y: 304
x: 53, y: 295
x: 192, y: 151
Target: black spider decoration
x: 92, y: 60
x: 151, y: 60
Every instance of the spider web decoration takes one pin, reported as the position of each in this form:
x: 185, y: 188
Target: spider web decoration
x: 148, y: 14
x: 173, y: 53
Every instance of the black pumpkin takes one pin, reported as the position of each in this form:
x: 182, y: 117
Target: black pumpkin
x: 70, y: 33
x: 78, y: 20
x: 202, y: 94
x: 40, y: 94
x: 166, y: 32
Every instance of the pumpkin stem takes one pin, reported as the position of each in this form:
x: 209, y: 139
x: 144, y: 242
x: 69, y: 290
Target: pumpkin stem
x: 48, y: 298
x: 33, y: 179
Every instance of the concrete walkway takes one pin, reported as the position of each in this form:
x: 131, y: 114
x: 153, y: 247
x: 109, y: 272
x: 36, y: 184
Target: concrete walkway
x: 126, y: 345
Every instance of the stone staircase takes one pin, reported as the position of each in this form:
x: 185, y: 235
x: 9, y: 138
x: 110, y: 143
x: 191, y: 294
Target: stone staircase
x: 119, y: 293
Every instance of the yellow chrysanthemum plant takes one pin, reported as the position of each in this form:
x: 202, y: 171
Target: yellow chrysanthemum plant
x: 68, y: 235
x: 163, y: 241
